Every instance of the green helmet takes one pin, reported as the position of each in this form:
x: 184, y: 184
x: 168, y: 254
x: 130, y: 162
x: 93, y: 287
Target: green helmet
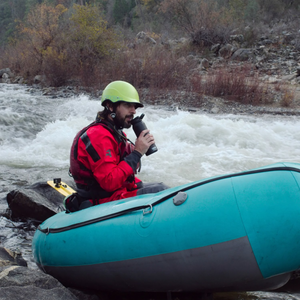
x: 120, y: 91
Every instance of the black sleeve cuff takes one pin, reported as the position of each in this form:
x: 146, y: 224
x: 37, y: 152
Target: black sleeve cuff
x: 133, y: 159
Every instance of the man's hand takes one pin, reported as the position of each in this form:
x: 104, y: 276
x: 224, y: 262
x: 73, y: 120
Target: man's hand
x: 144, y: 141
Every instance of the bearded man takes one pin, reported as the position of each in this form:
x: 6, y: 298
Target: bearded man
x: 103, y: 162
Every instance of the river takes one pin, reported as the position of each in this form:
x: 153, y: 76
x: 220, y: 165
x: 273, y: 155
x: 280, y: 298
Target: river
x: 36, y: 133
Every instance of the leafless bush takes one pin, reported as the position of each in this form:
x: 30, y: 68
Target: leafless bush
x: 236, y: 84
x: 287, y: 96
x: 204, y: 21
x: 147, y: 67
x: 207, y: 37
x: 57, y: 69
x: 21, y: 60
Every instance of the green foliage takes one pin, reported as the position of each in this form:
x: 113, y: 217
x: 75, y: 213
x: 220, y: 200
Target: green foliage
x: 151, y: 4
x: 241, y: 11
x: 61, y: 44
x: 145, y: 14
x: 30, y: 4
x: 121, y: 12
x: 237, y: 8
x: 9, y: 12
x: 89, y: 35
x: 5, y: 20
x: 252, y: 10
x: 63, y: 38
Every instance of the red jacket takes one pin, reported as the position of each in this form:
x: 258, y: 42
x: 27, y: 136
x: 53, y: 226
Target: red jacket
x: 105, y: 156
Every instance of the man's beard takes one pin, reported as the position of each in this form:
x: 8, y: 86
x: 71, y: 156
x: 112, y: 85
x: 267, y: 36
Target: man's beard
x: 121, y: 122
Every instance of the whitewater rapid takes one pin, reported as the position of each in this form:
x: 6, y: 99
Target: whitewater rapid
x: 36, y: 133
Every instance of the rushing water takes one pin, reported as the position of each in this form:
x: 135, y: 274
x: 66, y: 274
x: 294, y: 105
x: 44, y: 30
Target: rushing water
x: 36, y: 133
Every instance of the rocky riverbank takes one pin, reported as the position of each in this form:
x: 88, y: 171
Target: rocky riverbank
x: 186, y: 101
x: 274, y: 59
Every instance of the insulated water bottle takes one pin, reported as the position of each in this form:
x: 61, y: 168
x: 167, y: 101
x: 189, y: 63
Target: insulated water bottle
x: 138, y: 126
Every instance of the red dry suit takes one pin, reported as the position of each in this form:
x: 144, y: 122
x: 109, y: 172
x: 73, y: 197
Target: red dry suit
x: 103, y: 163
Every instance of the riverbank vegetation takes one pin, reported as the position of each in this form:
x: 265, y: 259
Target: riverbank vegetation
x: 90, y: 43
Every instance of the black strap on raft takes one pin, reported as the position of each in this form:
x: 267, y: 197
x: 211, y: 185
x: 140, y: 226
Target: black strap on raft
x: 123, y: 212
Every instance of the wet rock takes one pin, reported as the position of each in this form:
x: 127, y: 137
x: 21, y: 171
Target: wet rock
x: 18, y: 80
x: 17, y: 282
x: 215, y: 110
x: 11, y: 258
x: 6, y: 71
x: 39, y: 79
x: 38, y: 202
x: 5, y: 78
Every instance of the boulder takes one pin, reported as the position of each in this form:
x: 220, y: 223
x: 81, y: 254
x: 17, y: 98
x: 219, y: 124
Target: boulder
x: 226, y: 51
x: 242, y: 54
x: 18, y: 79
x: 215, y: 48
x: 39, y: 79
x: 289, y: 77
x: 144, y: 37
x: 19, y: 282
x: 6, y: 71
x: 204, y: 64
x: 176, y: 44
x: 11, y: 258
x: 239, y: 38
x: 6, y: 78
x: 39, y: 202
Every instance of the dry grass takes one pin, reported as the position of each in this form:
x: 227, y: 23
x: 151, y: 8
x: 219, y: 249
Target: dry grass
x: 155, y: 68
x: 238, y: 84
x: 288, y: 96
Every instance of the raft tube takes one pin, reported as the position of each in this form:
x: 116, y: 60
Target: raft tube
x: 236, y: 232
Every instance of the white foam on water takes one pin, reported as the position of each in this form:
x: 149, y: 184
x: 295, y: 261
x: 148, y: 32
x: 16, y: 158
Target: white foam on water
x: 196, y: 146
x: 190, y: 146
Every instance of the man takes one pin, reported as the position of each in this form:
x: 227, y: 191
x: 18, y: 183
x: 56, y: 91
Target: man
x: 103, y: 162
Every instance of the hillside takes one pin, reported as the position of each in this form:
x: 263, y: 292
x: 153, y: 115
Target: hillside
x: 241, y: 51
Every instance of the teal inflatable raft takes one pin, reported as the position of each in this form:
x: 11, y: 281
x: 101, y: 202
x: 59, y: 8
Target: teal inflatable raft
x: 228, y: 233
